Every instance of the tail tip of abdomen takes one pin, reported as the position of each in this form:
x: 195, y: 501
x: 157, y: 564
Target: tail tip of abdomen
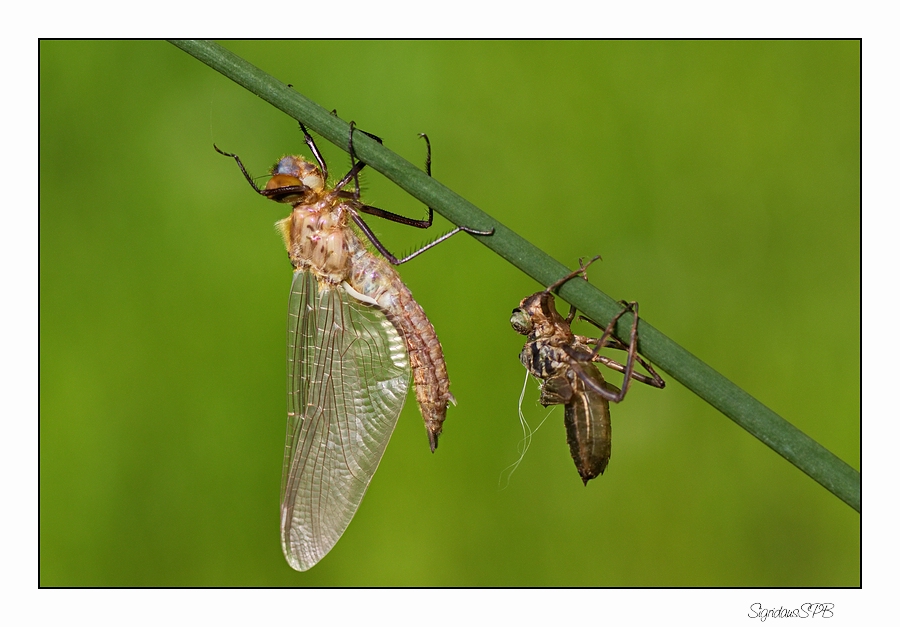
x: 433, y: 438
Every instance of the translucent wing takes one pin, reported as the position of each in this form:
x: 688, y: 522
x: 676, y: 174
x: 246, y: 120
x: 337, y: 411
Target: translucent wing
x: 348, y: 374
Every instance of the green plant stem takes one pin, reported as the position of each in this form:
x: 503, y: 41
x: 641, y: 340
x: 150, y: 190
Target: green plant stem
x: 773, y: 430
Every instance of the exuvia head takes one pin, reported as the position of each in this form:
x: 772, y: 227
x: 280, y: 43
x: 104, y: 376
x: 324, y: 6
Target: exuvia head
x: 521, y: 321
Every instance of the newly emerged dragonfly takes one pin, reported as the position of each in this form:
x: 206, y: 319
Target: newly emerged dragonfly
x: 564, y: 362
x: 354, y: 334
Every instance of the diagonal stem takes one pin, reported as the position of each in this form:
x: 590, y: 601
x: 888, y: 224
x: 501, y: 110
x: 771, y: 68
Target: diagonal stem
x: 785, y: 439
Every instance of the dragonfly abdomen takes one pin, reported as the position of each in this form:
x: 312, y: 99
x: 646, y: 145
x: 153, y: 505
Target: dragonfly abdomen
x: 588, y: 427
x: 376, y: 279
x: 427, y: 361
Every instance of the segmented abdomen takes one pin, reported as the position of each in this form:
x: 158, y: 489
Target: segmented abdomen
x: 376, y: 279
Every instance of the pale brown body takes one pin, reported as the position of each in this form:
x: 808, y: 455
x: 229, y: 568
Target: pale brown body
x: 354, y: 333
x: 319, y: 239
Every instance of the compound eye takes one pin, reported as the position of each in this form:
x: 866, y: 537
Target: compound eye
x: 283, y: 180
x: 290, y: 166
x: 286, y: 188
x: 521, y: 321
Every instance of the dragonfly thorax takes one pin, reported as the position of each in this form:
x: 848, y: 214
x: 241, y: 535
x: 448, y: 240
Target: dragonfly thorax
x: 542, y: 359
x: 318, y: 238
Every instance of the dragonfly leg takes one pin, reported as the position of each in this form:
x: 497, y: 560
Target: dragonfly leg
x: 580, y: 271
x: 604, y: 388
x: 655, y: 380
x: 243, y: 169
x: 628, y: 368
x: 556, y: 390
x: 315, y: 150
x: 356, y: 166
x: 613, y: 342
x: 607, y: 340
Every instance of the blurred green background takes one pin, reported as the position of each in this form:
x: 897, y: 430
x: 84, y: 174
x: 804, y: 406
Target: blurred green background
x: 719, y: 180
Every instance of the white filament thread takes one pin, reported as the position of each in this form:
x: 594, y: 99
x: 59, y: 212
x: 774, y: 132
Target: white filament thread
x: 524, y: 443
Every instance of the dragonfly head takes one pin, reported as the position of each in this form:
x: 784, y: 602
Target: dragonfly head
x: 533, y: 314
x: 521, y: 321
x: 294, y: 179
x: 536, y: 317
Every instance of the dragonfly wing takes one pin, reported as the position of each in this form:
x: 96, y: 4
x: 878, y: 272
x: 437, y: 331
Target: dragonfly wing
x: 348, y: 374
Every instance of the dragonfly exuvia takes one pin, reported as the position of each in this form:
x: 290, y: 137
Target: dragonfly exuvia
x: 564, y: 363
